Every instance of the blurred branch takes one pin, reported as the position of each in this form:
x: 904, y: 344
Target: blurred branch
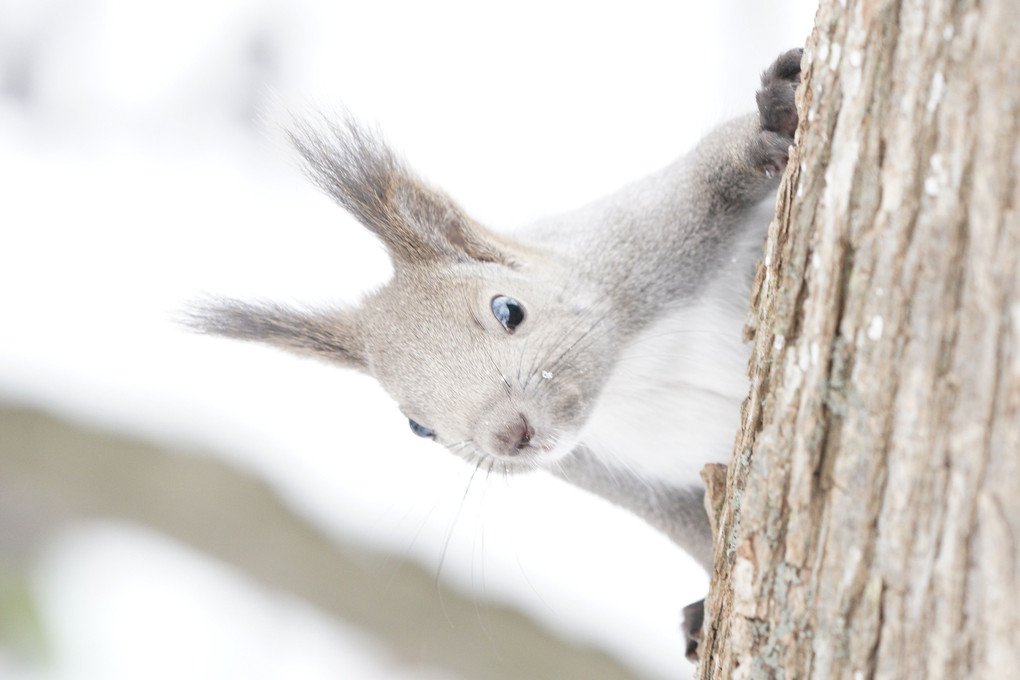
x: 52, y: 473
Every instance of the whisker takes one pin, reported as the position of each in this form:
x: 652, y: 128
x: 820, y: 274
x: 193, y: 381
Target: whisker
x: 624, y: 469
x: 453, y: 525
x: 459, y: 445
x: 562, y: 337
x: 559, y: 341
x: 506, y: 383
x: 590, y: 336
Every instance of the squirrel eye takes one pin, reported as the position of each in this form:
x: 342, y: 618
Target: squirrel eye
x: 508, y: 312
x: 421, y: 430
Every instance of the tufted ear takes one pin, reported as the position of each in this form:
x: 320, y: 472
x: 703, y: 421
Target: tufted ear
x: 330, y: 335
x: 416, y: 223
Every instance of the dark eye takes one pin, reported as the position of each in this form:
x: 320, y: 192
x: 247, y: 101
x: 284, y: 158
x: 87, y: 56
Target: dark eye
x: 508, y: 312
x: 421, y: 430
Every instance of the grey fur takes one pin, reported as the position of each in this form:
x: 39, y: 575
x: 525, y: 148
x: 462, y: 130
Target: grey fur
x: 612, y: 293
x: 679, y: 513
x: 330, y: 335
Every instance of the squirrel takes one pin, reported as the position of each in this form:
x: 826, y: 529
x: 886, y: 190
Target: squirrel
x: 604, y: 345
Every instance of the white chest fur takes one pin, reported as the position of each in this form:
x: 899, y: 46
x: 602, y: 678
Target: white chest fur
x: 672, y: 403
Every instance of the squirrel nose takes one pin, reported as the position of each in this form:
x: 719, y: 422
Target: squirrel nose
x: 516, y: 436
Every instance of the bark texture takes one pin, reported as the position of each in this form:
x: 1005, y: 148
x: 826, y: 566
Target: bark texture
x: 872, y: 517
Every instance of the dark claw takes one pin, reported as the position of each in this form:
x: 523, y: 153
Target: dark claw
x: 777, y: 110
x: 786, y: 67
x: 694, y: 616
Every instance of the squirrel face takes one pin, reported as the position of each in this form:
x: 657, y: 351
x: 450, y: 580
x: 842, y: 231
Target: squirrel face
x: 500, y: 365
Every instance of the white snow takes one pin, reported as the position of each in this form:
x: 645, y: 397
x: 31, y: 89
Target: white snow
x: 938, y: 176
x: 803, y: 357
x: 938, y: 91
x: 875, y: 327
x: 835, y: 51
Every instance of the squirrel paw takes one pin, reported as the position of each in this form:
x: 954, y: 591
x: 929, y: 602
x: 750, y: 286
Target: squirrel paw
x: 777, y: 111
x: 694, y: 616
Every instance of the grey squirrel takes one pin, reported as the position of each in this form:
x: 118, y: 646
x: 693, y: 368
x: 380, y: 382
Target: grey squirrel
x: 604, y: 345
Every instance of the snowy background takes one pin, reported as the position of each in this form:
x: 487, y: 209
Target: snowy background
x: 140, y: 168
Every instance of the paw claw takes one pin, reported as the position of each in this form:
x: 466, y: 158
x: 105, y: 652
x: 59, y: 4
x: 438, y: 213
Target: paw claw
x: 786, y: 67
x: 777, y: 110
x: 694, y: 616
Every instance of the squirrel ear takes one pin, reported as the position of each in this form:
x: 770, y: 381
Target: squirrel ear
x: 416, y: 223
x: 333, y: 335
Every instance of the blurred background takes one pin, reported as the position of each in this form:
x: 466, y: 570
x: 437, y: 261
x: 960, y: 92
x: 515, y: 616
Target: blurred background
x: 180, y: 506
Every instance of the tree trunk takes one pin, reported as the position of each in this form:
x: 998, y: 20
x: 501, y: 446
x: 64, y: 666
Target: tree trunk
x: 872, y: 517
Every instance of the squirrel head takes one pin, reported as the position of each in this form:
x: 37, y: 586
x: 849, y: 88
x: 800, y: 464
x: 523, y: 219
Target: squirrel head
x: 488, y: 345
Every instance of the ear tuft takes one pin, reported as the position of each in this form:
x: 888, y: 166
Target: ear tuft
x: 329, y: 335
x: 361, y: 173
x: 352, y: 165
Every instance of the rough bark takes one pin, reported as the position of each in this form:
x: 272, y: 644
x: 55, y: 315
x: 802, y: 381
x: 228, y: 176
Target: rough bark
x: 871, y: 523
